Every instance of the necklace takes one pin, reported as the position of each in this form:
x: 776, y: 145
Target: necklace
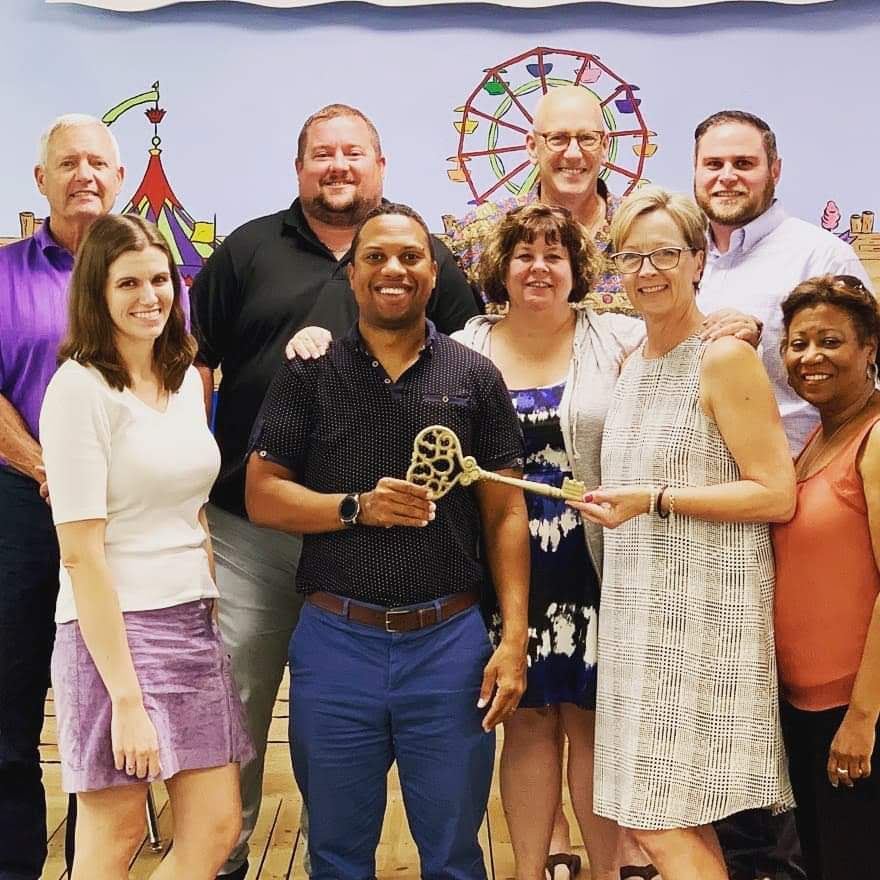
x: 598, y: 217
x: 816, y: 448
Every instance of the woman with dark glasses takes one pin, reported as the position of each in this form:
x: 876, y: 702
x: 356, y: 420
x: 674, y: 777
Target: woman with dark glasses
x: 827, y: 578
x: 694, y: 465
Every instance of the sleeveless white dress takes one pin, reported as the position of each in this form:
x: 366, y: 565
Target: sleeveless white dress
x: 687, y: 719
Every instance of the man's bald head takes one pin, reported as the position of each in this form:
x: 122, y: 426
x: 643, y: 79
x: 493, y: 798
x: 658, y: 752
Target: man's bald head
x: 569, y: 108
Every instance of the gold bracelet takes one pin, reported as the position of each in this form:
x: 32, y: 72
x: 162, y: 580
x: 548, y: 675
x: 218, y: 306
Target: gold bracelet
x: 652, y: 501
x: 671, y: 506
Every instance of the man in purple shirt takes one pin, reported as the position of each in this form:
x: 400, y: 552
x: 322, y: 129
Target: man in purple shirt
x: 80, y: 175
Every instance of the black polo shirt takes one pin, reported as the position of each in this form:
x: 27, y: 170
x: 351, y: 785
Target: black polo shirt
x: 339, y: 424
x: 268, y: 279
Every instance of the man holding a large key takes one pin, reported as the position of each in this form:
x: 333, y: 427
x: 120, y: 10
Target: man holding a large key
x: 391, y: 660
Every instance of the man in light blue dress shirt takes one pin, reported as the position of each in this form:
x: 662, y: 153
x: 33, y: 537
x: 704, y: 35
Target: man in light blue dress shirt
x: 757, y: 255
x: 757, y: 252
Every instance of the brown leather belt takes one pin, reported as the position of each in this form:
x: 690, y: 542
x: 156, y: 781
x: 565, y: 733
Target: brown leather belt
x: 394, y: 620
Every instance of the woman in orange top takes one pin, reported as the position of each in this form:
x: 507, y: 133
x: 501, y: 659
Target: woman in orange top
x: 827, y: 579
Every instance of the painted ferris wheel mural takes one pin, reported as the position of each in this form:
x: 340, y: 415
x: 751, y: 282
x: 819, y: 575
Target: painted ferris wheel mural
x: 493, y: 122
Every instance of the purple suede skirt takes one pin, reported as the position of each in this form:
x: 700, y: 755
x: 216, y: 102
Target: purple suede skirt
x: 189, y: 693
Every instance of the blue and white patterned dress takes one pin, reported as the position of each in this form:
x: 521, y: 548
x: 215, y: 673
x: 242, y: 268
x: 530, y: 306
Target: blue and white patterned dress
x: 564, y: 590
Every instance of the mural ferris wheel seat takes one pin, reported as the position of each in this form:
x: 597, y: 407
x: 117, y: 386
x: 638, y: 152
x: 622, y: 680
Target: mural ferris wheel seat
x: 191, y: 241
x: 491, y: 159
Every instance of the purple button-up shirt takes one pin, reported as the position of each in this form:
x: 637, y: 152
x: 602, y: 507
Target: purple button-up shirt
x: 34, y: 278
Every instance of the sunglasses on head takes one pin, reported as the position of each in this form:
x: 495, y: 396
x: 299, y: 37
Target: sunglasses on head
x: 853, y: 283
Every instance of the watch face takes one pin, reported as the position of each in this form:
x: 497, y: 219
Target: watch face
x: 349, y: 509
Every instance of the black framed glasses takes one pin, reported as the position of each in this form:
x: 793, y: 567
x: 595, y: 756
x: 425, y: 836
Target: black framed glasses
x: 662, y: 259
x: 558, y: 141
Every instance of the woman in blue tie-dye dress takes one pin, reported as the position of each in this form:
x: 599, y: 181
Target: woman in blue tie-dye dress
x: 564, y: 589
x: 561, y: 365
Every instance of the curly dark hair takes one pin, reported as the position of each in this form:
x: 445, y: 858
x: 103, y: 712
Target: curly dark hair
x: 846, y: 292
x: 557, y: 226
x: 91, y: 335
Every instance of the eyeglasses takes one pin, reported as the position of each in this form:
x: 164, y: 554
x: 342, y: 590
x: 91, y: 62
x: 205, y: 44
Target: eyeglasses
x: 558, y: 141
x: 662, y: 259
x: 854, y: 283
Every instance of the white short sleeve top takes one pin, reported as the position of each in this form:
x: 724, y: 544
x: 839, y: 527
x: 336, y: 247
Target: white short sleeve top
x: 147, y: 473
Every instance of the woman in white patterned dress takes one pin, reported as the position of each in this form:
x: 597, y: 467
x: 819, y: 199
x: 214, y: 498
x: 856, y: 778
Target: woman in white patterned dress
x: 694, y: 465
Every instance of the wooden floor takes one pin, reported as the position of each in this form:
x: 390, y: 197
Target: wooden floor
x: 276, y: 853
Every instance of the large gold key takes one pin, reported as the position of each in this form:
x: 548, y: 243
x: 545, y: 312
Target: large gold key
x: 438, y: 463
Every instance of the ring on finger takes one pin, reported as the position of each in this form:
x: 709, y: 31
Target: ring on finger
x: 843, y: 771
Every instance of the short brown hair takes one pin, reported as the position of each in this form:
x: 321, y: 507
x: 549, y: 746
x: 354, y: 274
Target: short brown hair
x: 332, y: 111
x: 526, y: 223
x: 742, y: 116
x: 845, y: 292
x: 91, y: 332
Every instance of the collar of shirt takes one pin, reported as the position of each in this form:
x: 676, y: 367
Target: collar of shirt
x: 296, y: 223
x: 742, y: 240
x: 58, y: 256
x: 354, y: 340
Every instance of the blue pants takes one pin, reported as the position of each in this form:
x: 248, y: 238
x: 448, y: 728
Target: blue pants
x: 28, y: 590
x: 362, y: 698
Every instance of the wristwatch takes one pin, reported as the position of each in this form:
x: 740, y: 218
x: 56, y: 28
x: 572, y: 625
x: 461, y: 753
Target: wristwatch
x: 349, y: 510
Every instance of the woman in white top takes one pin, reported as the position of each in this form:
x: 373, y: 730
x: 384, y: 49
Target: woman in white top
x: 142, y: 685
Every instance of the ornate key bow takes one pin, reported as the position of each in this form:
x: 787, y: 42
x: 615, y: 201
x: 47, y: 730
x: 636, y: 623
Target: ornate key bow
x: 438, y: 463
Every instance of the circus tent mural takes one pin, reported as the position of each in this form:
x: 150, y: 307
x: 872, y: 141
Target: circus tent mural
x: 191, y: 241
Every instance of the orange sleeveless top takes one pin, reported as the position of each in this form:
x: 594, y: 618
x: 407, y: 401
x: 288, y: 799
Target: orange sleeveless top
x: 826, y: 584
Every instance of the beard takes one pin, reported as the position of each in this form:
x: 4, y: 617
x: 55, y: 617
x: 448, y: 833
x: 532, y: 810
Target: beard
x: 742, y: 211
x: 346, y: 213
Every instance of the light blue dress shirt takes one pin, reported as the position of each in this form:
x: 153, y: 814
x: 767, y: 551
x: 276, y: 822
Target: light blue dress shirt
x: 766, y: 260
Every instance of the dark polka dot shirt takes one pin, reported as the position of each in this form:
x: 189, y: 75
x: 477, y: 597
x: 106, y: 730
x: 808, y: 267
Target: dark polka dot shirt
x: 339, y: 424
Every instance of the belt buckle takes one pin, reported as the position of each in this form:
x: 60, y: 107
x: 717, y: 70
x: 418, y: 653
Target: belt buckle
x: 390, y: 615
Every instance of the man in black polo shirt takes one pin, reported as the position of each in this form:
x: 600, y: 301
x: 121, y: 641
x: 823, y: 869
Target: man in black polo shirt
x: 390, y: 659
x: 268, y: 279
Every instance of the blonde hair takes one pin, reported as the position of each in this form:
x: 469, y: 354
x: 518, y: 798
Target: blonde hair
x: 683, y: 210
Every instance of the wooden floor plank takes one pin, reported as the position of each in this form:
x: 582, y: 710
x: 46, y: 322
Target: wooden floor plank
x: 276, y: 849
x: 282, y: 842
